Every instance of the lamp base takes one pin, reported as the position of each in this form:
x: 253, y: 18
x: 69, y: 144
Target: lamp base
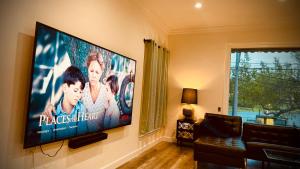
x: 187, y: 113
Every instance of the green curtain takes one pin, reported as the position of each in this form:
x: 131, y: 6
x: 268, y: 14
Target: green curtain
x: 155, y: 81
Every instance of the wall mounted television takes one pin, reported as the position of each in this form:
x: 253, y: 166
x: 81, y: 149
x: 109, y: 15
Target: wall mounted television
x: 77, y: 88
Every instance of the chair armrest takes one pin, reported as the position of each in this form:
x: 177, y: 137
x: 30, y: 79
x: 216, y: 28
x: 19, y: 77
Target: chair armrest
x: 197, y: 128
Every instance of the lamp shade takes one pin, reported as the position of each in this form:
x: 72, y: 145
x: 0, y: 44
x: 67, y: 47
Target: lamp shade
x: 189, y: 96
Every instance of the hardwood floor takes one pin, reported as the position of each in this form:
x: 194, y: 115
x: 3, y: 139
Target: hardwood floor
x: 166, y: 155
x: 162, y: 156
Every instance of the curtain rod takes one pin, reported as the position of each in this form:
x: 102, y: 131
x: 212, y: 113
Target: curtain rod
x: 149, y: 40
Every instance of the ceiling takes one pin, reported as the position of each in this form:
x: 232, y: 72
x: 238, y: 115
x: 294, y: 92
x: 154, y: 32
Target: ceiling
x: 175, y: 16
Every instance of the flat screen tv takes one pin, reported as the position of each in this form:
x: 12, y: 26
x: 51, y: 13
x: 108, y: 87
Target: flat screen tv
x: 76, y: 88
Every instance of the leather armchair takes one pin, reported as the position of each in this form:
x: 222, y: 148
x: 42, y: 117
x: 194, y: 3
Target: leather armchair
x: 218, y: 140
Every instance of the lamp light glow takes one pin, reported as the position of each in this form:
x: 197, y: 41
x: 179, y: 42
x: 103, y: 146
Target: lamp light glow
x: 198, y: 5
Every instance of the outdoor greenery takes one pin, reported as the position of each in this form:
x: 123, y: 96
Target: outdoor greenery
x: 271, y: 89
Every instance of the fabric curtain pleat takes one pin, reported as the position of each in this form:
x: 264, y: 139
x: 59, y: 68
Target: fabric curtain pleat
x: 154, y: 94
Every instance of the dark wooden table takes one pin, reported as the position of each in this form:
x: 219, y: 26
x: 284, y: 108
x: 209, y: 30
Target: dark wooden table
x: 290, y: 158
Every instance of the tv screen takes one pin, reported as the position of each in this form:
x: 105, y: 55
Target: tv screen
x: 77, y: 88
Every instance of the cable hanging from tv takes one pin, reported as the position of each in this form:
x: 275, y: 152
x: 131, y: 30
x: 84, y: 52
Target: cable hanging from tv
x: 49, y: 155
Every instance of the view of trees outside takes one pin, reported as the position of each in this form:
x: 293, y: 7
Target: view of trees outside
x: 265, y: 87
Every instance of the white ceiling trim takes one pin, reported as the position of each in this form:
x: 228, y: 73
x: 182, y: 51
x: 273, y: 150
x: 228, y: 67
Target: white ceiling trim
x: 233, y: 28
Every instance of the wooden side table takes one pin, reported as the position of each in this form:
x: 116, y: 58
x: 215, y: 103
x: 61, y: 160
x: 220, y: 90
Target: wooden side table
x: 185, y: 131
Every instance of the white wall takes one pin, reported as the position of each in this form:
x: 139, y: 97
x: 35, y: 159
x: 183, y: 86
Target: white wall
x: 114, y: 24
x: 201, y: 60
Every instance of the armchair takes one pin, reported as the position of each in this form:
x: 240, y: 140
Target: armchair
x: 218, y: 140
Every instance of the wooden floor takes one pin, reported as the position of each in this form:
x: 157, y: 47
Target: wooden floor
x: 167, y: 155
x: 162, y: 156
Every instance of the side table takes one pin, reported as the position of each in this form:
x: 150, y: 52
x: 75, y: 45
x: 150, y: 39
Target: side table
x: 185, y: 131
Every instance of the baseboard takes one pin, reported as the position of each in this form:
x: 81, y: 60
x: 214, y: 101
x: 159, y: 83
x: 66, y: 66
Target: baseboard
x: 169, y: 139
x: 131, y: 155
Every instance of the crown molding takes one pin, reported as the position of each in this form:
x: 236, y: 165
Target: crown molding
x: 232, y: 28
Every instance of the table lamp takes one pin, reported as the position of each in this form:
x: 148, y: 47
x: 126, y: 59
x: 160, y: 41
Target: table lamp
x: 189, y: 96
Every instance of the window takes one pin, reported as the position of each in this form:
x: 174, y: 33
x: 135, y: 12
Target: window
x: 265, y: 86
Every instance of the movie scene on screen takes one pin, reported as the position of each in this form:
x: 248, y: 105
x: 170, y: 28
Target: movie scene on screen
x: 77, y: 88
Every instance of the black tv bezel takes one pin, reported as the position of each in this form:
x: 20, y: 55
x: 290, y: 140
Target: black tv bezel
x: 39, y: 24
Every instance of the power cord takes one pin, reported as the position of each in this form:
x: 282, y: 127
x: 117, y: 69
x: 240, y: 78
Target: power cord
x: 49, y: 155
